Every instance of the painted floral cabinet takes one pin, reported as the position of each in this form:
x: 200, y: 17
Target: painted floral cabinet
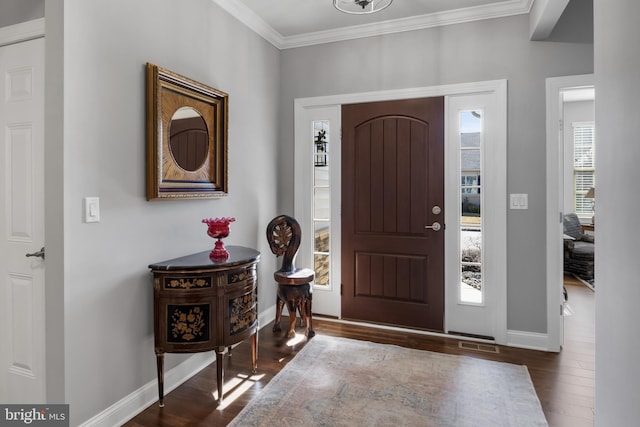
x: 202, y: 305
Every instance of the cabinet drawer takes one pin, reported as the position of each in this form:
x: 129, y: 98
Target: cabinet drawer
x: 242, y: 276
x: 242, y: 312
x: 182, y: 282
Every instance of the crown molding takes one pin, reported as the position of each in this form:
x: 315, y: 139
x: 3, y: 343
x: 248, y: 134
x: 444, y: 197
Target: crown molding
x: 450, y: 17
x: 249, y: 18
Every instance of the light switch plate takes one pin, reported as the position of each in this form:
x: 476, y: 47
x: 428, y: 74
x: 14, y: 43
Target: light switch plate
x: 519, y: 201
x: 91, y: 209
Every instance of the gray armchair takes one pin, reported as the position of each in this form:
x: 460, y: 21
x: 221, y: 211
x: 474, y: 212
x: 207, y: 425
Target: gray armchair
x: 579, y: 250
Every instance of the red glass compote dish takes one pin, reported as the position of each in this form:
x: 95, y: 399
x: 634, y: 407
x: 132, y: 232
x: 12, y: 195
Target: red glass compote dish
x: 218, y: 229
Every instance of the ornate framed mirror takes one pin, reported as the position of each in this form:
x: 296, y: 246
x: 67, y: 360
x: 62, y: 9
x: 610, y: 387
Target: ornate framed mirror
x: 186, y: 137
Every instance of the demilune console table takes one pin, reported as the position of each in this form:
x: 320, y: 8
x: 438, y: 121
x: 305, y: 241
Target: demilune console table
x: 202, y: 305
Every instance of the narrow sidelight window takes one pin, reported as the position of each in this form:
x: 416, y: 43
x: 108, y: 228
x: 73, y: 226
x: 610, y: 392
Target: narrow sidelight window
x: 321, y: 202
x: 471, y: 288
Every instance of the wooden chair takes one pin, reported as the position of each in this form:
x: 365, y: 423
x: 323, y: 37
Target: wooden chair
x: 294, y: 284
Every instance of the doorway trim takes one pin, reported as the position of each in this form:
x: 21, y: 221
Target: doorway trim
x: 22, y: 32
x: 554, y: 88
x: 301, y: 191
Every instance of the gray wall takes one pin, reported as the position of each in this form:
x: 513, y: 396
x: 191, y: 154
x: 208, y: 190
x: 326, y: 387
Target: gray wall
x: 486, y: 50
x: 617, y: 37
x: 99, y: 150
x: 15, y: 11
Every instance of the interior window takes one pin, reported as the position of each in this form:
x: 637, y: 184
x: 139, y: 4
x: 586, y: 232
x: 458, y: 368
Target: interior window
x: 584, y: 168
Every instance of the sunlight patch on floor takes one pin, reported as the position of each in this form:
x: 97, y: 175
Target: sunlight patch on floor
x: 296, y: 340
x: 238, y: 386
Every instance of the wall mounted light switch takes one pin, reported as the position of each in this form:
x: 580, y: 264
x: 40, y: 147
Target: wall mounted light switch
x: 91, y: 209
x: 519, y: 201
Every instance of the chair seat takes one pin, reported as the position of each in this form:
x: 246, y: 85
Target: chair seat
x: 583, y: 250
x: 299, y: 276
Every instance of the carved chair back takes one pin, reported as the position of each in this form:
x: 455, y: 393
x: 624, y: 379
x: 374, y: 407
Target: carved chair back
x: 283, y: 235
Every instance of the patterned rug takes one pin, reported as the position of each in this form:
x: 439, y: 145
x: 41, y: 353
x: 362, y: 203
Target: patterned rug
x: 343, y: 382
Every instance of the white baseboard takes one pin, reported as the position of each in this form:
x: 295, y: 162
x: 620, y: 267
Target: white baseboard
x: 131, y: 405
x: 267, y: 316
x: 528, y: 340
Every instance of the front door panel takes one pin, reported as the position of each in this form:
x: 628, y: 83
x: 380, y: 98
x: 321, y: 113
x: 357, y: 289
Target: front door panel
x: 392, y: 179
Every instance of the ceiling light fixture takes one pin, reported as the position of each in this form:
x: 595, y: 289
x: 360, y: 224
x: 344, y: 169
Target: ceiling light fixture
x: 361, y: 7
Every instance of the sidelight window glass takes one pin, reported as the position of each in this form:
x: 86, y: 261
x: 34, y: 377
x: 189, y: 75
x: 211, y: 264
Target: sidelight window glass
x: 321, y: 201
x: 471, y: 286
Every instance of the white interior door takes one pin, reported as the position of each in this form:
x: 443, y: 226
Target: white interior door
x: 22, y: 317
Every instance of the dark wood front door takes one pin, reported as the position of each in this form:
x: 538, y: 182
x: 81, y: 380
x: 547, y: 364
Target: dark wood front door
x: 392, y: 187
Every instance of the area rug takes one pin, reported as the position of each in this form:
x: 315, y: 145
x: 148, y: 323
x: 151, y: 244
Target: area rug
x: 343, y: 382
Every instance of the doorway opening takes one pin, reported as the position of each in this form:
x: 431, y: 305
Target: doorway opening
x: 490, y: 97
x: 559, y: 90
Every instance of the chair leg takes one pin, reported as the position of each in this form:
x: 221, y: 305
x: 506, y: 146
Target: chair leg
x: 308, y: 316
x: 279, y: 306
x: 292, y: 306
x: 302, y: 316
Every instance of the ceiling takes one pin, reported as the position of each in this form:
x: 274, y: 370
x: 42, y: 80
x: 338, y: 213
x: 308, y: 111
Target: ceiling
x: 294, y: 23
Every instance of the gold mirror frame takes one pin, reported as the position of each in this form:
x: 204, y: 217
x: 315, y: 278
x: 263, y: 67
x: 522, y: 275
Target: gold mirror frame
x: 166, y: 180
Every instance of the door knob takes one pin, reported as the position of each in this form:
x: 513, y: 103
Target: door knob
x: 40, y: 253
x: 435, y: 226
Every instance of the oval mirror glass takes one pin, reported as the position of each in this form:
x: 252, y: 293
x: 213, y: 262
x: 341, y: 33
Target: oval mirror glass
x: 188, y: 139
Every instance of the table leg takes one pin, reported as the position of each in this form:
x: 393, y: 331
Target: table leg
x: 254, y: 352
x: 220, y: 371
x: 160, y: 366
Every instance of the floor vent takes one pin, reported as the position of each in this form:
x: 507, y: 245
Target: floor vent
x: 486, y: 348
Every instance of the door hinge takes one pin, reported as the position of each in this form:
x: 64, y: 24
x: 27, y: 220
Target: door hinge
x: 341, y: 288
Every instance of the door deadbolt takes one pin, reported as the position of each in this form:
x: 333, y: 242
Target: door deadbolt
x: 435, y: 226
x: 436, y: 210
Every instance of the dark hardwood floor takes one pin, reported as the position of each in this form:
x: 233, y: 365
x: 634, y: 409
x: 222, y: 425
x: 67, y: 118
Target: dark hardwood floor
x: 564, y: 381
